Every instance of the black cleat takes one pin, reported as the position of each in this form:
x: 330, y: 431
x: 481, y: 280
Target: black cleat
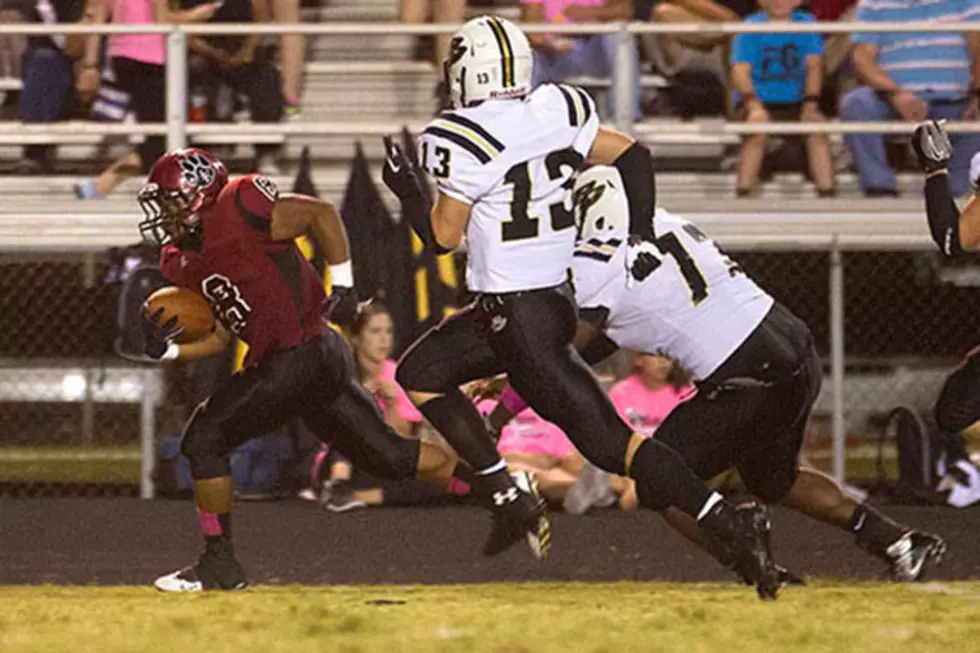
x: 524, y: 516
x: 786, y: 577
x: 209, y: 573
x: 912, y: 555
x: 742, y: 536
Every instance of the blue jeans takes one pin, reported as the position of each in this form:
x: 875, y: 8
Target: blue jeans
x: 869, y: 149
x: 594, y: 56
x: 47, y: 81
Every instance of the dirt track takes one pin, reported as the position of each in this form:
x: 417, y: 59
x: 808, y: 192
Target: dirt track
x: 127, y: 541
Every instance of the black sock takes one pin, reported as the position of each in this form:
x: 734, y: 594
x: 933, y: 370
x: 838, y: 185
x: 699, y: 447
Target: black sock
x: 663, y: 479
x: 457, y: 419
x: 465, y: 473
x: 873, y: 530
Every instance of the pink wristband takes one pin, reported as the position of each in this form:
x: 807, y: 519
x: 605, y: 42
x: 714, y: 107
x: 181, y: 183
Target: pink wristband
x: 512, y: 401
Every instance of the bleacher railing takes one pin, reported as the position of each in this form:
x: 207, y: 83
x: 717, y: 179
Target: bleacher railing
x: 177, y: 129
x: 809, y: 252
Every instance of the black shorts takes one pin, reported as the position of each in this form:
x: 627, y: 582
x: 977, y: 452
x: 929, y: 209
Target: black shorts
x: 314, y: 382
x: 751, y: 413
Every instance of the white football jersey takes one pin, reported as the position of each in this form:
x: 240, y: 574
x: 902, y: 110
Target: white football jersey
x: 697, y: 307
x: 513, y: 161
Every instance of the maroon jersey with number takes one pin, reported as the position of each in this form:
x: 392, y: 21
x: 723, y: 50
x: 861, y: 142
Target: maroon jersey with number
x: 262, y: 290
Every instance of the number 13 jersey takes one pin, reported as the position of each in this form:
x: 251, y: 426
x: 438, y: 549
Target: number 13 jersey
x: 513, y: 162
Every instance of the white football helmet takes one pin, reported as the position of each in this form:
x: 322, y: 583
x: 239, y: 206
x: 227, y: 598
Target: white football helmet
x: 490, y: 58
x: 602, y: 211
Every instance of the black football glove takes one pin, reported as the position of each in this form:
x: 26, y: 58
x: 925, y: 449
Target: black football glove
x: 399, y: 174
x: 932, y: 147
x: 158, y: 336
x: 342, y: 306
x: 642, y: 259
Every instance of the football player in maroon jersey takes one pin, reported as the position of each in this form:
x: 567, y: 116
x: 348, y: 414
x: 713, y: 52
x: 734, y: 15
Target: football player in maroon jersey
x: 233, y: 241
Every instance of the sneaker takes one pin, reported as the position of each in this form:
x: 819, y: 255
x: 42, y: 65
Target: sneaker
x: 745, y: 536
x: 911, y: 555
x: 524, y: 515
x: 338, y: 496
x: 590, y: 490
x: 293, y: 109
x: 87, y: 191
x: 209, y: 573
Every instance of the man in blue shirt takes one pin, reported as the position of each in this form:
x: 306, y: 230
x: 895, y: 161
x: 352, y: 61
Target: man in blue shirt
x: 912, y: 76
x: 778, y: 76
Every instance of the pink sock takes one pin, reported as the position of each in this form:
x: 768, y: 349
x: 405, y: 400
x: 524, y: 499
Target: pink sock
x: 210, y: 524
x: 512, y: 401
x: 458, y: 487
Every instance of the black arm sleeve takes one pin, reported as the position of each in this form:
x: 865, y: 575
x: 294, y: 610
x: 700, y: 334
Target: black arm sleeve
x: 636, y: 167
x: 417, y: 209
x: 944, y: 217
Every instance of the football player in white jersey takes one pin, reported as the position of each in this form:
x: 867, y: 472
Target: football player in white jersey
x: 503, y: 162
x: 957, y: 234
x: 753, y: 362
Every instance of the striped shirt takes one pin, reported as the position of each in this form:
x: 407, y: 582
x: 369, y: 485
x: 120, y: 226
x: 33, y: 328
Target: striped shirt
x: 933, y: 65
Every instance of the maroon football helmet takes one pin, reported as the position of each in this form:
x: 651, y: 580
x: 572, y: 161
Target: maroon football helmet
x: 181, y: 184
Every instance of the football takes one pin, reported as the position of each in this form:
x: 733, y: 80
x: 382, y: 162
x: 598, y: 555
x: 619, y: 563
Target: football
x: 191, y: 309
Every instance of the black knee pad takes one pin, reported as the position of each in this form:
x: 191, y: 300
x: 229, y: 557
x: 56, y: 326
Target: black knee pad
x: 201, y: 445
x: 652, y: 467
x: 958, y: 406
x: 774, y: 485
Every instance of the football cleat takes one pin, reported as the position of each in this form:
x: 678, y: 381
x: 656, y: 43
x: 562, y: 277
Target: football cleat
x: 208, y: 574
x: 912, y: 555
x: 524, y: 515
x: 741, y: 540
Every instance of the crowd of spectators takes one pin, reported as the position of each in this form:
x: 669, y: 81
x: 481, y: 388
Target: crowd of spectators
x: 757, y: 77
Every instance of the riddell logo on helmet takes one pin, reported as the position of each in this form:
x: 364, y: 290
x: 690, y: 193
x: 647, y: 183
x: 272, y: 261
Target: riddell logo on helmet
x: 508, y: 93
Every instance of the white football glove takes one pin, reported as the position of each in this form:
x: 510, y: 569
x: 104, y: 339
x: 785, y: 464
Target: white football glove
x: 642, y: 258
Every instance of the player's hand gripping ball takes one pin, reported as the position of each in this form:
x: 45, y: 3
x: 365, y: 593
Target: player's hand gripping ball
x: 187, y: 313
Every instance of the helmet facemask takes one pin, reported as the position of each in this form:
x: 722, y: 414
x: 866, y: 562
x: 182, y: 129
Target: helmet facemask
x: 169, y: 217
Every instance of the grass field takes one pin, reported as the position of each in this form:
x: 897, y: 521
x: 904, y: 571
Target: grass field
x: 500, y: 618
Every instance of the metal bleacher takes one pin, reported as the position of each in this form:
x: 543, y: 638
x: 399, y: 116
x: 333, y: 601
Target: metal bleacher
x: 353, y: 80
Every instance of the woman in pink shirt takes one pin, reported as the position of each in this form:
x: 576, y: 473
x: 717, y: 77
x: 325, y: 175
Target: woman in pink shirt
x: 372, y: 338
x: 646, y: 397
x: 139, y: 64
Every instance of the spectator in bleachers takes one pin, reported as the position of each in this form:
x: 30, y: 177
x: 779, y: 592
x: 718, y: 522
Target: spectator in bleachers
x: 912, y: 76
x: 837, y: 47
x: 47, y: 74
x: 646, y: 397
x: 673, y: 53
x: 435, y: 11
x: 291, y: 51
x: 372, y: 338
x: 779, y: 77
x: 560, y: 56
x: 138, y: 62
x: 11, y: 49
x: 240, y: 64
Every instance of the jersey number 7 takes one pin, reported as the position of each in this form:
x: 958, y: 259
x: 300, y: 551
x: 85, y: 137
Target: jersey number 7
x: 670, y: 245
x: 560, y: 164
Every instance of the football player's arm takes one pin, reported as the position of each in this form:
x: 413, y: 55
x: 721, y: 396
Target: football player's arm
x: 295, y: 215
x: 211, y: 344
x: 449, y: 219
x: 955, y: 232
x: 635, y: 165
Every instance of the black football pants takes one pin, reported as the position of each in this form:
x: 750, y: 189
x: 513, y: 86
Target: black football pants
x: 528, y: 335
x: 315, y: 382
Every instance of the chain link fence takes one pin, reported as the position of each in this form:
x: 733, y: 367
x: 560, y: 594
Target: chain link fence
x: 72, y: 412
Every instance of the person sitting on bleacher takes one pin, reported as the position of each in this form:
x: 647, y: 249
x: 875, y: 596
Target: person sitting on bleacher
x: 560, y: 56
x: 238, y: 62
x: 779, y: 76
x: 47, y: 74
x: 912, y: 76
